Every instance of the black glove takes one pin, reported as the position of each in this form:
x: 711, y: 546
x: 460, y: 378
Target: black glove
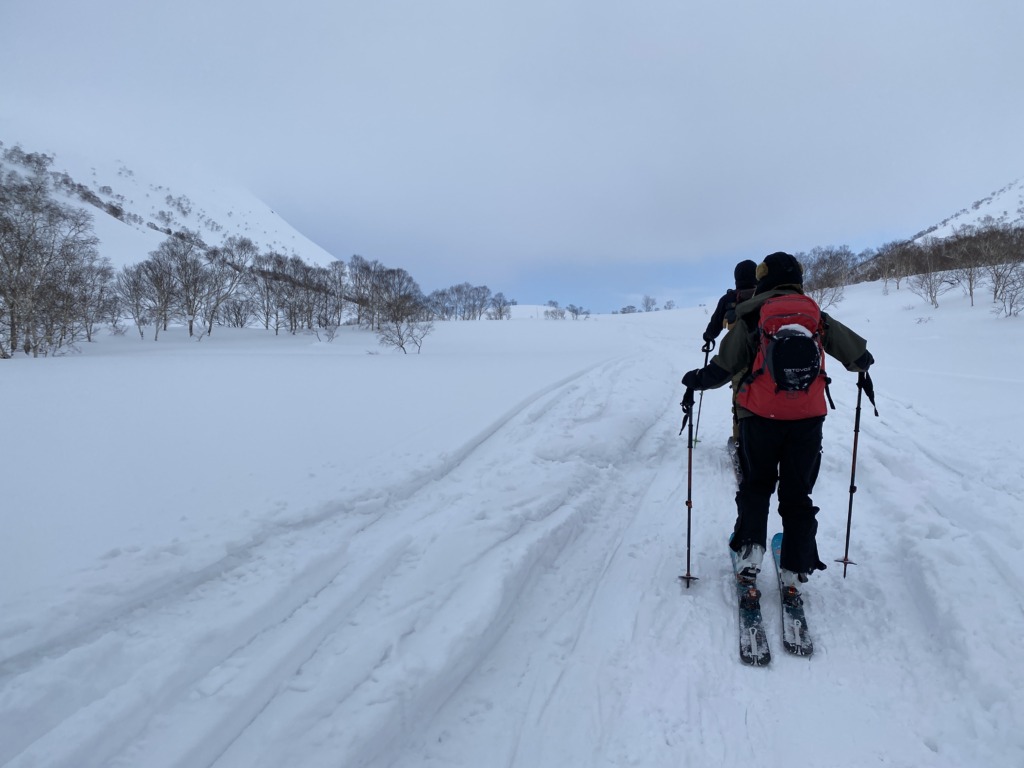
x: 709, y: 336
x: 864, y: 362
x: 709, y: 345
x: 691, y: 380
x: 688, y: 400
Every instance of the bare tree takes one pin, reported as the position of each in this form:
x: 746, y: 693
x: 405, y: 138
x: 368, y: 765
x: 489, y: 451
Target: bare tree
x: 998, y: 248
x: 1011, y: 300
x: 931, y: 281
x: 554, y: 312
x: 477, y: 302
x: 263, y: 285
x: 336, y: 283
x: 160, y: 290
x: 399, y: 295
x: 968, y: 269
x: 468, y: 302
x: 226, y: 269
x: 576, y: 312
x: 183, y: 256
x: 96, y: 295
x: 298, y: 294
x: 364, y: 283
x: 500, y: 307
x: 131, y: 286
x: 462, y: 300
x: 895, y: 262
x: 403, y: 334
x: 441, y: 304
x: 827, y: 271
x: 238, y: 311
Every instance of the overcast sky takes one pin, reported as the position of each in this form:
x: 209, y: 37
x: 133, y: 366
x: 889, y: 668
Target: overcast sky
x: 588, y: 151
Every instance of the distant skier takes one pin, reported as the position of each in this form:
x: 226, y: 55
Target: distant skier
x: 725, y: 312
x: 776, y: 349
x: 724, y: 317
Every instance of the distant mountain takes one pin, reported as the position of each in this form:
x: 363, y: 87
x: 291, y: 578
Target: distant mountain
x: 135, y: 208
x: 1004, y: 206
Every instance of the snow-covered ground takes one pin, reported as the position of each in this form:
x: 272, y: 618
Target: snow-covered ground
x: 283, y: 551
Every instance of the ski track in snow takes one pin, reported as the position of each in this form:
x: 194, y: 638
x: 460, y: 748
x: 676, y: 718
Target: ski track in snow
x: 227, y: 667
x: 543, y: 623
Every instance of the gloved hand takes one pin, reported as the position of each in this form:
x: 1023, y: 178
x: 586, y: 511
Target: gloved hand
x: 691, y: 379
x: 864, y: 362
x: 687, y: 400
x: 708, y: 336
x: 709, y: 345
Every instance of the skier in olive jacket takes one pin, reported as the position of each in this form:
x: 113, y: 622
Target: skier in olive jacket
x: 774, y: 451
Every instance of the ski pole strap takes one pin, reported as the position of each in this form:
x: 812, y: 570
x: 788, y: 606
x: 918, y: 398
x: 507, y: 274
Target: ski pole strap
x: 865, y: 383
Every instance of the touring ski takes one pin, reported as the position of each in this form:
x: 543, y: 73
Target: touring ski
x: 796, y: 638
x: 754, y: 648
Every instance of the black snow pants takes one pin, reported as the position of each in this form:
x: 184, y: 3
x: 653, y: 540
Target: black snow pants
x: 787, y: 453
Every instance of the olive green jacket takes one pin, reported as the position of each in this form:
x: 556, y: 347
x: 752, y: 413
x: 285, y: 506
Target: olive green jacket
x: 739, y: 347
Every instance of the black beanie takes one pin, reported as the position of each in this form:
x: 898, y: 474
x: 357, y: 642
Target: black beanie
x: 779, y: 269
x: 745, y: 274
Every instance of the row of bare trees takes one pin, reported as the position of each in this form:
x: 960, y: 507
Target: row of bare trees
x: 988, y: 254
x: 55, y: 288
x: 469, y: 302
x: 384, y: 294
x: 233, y: 285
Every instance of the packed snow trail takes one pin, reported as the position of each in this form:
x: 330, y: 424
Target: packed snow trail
x: 609, y: 662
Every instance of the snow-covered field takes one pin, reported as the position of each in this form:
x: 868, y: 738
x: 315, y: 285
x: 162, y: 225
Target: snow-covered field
x: 282, y: 551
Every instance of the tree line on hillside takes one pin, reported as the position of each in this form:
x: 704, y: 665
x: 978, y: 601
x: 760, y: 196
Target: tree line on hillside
x: 989, y: 253
x: 56, y: 288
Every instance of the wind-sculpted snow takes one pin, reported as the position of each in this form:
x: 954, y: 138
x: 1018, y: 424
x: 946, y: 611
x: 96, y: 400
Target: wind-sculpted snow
x: 470, y: 558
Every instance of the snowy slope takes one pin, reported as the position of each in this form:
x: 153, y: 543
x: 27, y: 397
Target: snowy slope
x: 166, y: 194
x: 283, y: 552
x: 1004, y: 206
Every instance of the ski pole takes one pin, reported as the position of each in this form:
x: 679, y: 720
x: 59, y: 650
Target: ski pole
x: 687, y: 405
x: 706, y: 349
x: 863, y: 384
